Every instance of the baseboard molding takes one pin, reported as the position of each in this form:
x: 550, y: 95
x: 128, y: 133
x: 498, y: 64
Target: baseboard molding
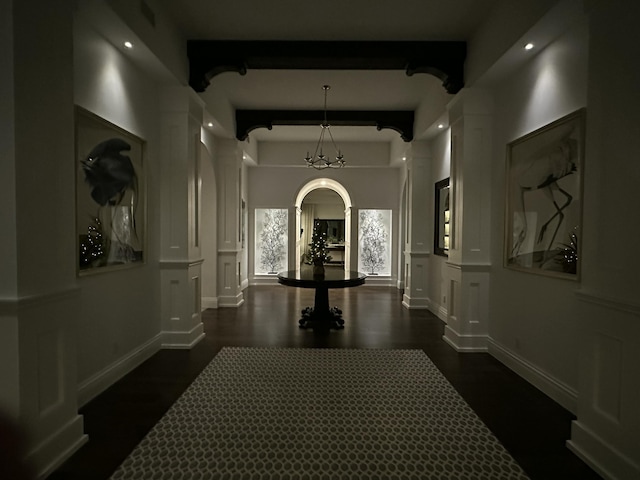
x: 380, y: 281
x: 464, y: 343
x: 98, y: 383
x: 596, y: 453
x: 550, y: 386
x: 415, y: 303
x: 183, y: 340
x: 52, y: 453
x: 264, y: 280
x: 209, y: 302
x: 439, y: 311
x: 244, y: 284
x: 231, y: 302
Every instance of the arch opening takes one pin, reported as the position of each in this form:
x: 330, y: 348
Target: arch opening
x: 328, y: 184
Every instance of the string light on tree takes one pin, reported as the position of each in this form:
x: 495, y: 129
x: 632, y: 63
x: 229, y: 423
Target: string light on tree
x: 318, y: 252
x: 92, y: 247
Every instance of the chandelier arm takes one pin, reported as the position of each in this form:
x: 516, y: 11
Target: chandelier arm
x: 335, y: 146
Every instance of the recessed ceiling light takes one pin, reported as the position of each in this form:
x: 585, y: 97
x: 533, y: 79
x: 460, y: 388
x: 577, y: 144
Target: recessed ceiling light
x: 128, y: 45
x: 528, y: 46
x: 210, y: 124
x: 440, y: 126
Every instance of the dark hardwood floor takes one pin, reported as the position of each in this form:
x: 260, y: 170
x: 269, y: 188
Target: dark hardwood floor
x: 530, y: 425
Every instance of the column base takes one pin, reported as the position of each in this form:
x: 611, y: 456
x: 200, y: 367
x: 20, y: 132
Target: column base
x: 465, y: 343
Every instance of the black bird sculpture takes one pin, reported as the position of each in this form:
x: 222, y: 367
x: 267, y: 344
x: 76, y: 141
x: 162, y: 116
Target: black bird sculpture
x: 109, y: 172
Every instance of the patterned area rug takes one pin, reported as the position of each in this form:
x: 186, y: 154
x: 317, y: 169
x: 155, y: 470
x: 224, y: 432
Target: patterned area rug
x: 316, y: 414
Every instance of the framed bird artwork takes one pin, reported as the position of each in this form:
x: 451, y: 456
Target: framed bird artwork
x: 544, y: 199
x: 110, y: 195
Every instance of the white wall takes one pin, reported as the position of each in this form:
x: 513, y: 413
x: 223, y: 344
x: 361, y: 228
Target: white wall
x: 38, y: 294
x: 208, y: 222
x: 607, y: 431
x: 330, y: 211
x: 119, y: 315
x: 8, y: 275
x: 440, y: 169
x: 368, y: 188
x: 534, y: 317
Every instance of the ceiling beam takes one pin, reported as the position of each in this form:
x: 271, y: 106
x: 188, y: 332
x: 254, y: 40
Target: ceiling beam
x: 399, y: 120
x: 445, y: 60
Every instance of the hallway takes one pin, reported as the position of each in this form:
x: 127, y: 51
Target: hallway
x: 531, y: 426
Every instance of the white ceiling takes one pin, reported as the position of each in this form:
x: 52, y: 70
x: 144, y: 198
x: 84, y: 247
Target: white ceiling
x: 328, y: 20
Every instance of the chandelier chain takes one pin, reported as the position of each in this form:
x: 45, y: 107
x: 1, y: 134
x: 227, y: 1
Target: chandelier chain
x: 320, y: 161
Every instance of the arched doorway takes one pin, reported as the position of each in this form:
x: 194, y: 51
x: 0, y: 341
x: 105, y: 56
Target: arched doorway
x: 324, y: 183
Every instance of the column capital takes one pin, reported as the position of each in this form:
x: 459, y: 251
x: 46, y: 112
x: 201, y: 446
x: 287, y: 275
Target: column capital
x: 470, y: 101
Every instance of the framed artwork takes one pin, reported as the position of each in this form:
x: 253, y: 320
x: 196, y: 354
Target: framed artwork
x: 374, y: 242
x: 271, y: 240
x: 544, y: 199
x: 110, y: 195
x: 442, y: 216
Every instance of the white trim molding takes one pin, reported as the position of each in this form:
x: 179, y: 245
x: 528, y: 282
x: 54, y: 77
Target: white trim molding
x: 230, y: 302
x: 550, y: 386
x: 597, y: 452
x: 182, y: 340
x: 209, y: 302
x: 609, y: 302
x: 264, y: 280
x: 439, y: 311
x: 468, y: 306
x: 416, y: 285
x: 181, y: 305
x: 67, y: 440
x: 12, y: 306
x: 464, y: 343
x: 39, y: 373
x: 98, y: 383
x: 380, y: 281
x: 415, y: 303
x: 605, y: 434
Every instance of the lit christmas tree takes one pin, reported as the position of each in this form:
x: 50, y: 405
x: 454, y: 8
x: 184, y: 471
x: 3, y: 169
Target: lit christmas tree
x: 374, y: 238
x: 318, y: 247
x: 272, y: 237
x: 92, y: 249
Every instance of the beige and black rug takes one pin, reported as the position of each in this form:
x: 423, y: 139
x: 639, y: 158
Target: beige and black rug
x: 316, y: 414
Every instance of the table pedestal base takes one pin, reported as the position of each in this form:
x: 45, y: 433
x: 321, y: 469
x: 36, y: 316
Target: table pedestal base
x: 320, y: 316
x: 329, y: 320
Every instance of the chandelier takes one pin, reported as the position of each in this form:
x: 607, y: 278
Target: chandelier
x: 320, y: 161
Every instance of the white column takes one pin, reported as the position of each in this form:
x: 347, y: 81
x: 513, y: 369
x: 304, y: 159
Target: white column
x: 181, y: 259
x: 417, y: 248
x: 38, y: 292
x: 469, y: 256
x: 229, y: 161
x: 606, y: 433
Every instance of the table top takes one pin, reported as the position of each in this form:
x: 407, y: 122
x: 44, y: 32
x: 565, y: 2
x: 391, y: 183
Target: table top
x: 333, y: 278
